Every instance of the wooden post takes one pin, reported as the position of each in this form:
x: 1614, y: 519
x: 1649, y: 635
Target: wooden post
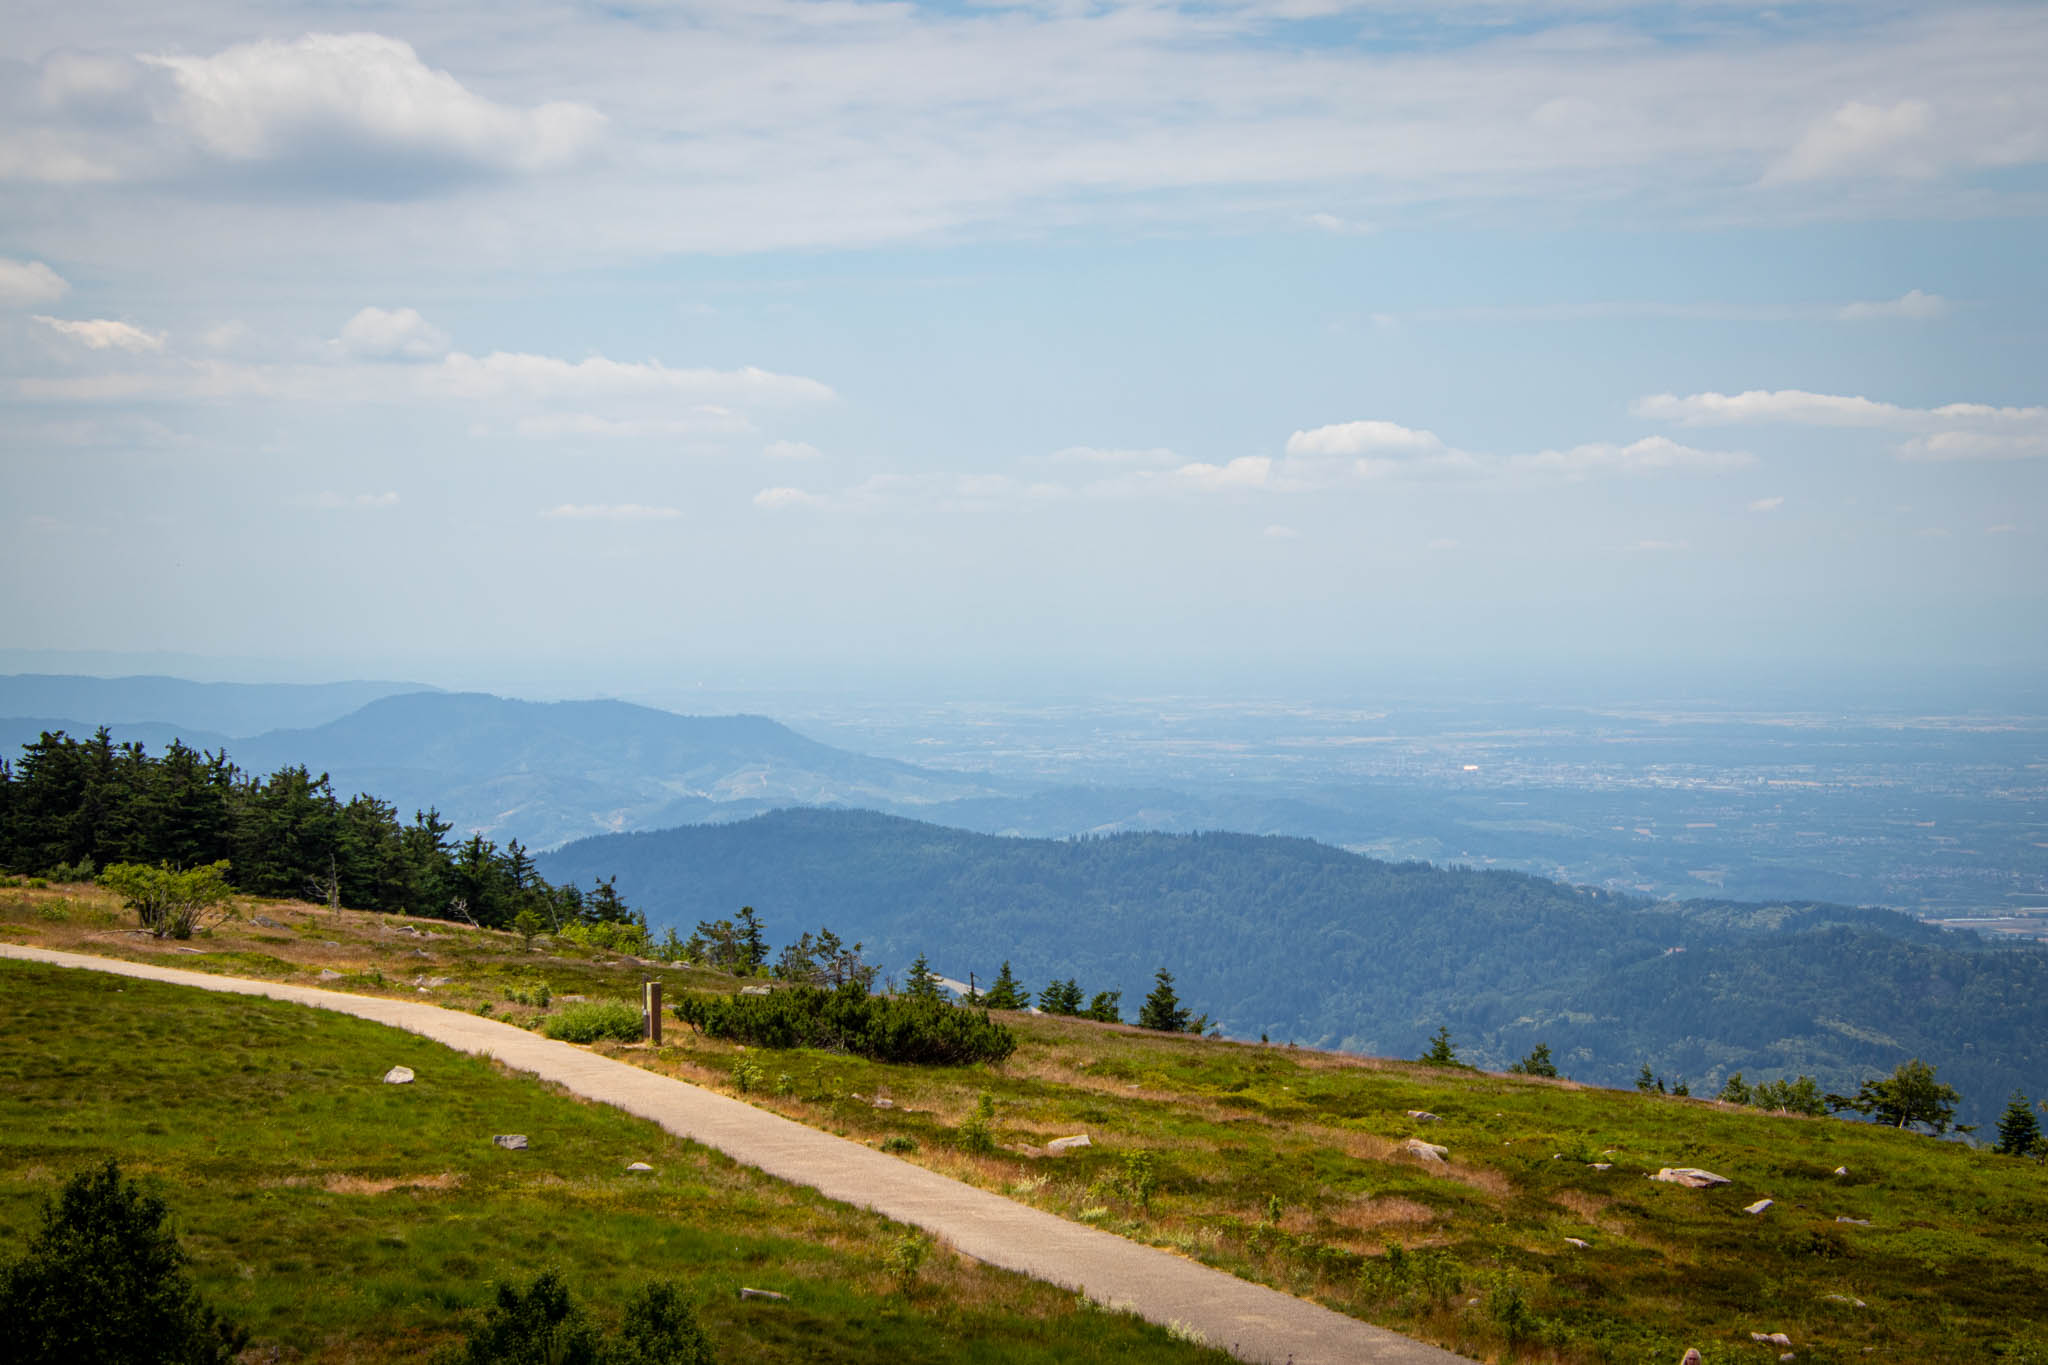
x: 650, y: 1010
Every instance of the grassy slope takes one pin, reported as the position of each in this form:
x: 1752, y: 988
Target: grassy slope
x: 1951, y: 1267
x: 344, y: 1219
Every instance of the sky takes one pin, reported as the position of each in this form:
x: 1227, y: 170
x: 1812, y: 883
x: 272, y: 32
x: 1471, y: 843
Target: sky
x: 817, y: 343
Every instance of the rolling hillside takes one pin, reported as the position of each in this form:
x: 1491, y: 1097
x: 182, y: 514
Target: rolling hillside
x: 1301, y: 941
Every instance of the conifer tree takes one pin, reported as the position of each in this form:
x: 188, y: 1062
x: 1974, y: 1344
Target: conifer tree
x: 1537, y: 1063
x: 1442, y: 1051
x: 2019, y: 1134
x: 922, y: 983
x: 1162, y: 1009
x: 1004, y: 995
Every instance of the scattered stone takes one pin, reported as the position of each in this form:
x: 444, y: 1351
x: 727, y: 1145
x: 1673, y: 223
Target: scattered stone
x: 511, y: 1142
x: 1692, y: 1177
x: 188, y: 950
x: 329, y: 974
x: 264, y: 922
x: 329, y: 943
x: 1068, y: 1144
x: 1691, y: 1357
x: 640, y: 1166
x: 1844, y: 1298
x: 430, y: 981
x: 1770, y: 1338
x: 768, y: 1294
x: 1601, y: 1165
x: 1422, y: 1116
x: 884, y: 1102
x: 1579, y: 1242
x: 1859, y: 1222
x: 1759, y: 1206
x: 755, y: 990
x: 398, y: 1075
x: 1841, y: 1170
x: 1785, y: 1357
x: 407, y: 929
x: 1429, y: 1153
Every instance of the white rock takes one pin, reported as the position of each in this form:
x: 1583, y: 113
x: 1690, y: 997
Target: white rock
x: 754, y: 990
x: 1859, y: 1222
x: 1759, y: 1206
x: 398, y: 1075
x: 1429, y: 1153
x: 639, y: 1166
x: 1691, y: 1357
x: 770, y: 1295
x: 1579, y: 1242
x: 1601, y: 1165
x: 1068, y: 1144
x: 1692, y: 1177
x: 884, y: 1102
x: 329, y: 974
x: 1422, y: 1116
x: 1841, y: 1170
x: 1771, y: 1338
x: 511, y: 1142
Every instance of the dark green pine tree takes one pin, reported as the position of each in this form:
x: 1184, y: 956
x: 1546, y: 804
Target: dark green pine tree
x: 1442, y: 1051
x: 2019, y: 1133
x: 1061, y: 997
x: 1004, y: 995
x: 1105, y: 1007
x: 1162, y: 1009
x: 753, y: 941
x: 1537, y: 1063
x: 922, y: 983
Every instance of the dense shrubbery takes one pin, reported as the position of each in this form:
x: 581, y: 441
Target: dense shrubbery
x: 71, y: 805
x: 104, y: 1281
x: 925, y: 1031
x: 595, y: 1020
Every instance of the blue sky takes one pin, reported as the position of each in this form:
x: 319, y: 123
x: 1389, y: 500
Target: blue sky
x: 594, y: 348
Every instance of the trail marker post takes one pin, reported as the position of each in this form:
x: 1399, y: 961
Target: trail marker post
x: 650, y: 1011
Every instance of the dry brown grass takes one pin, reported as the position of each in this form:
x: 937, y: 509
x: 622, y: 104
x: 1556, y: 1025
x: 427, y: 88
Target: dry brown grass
x: 1370, y: 1212
x: 362, y: 1184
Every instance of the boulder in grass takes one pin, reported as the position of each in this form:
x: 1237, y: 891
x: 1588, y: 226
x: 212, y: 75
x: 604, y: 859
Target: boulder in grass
x: 398, y: 1075
x: 329, y: 974
x: 767, y: 1294
x: 640, y: 1166
x: 1759, y: 1206
x: 1692, y: 1177
x: 1068, y: 1144
x: 511, y: 1142
x: 1429, y: 1153
x: 1422, y: 1116
x: 1578, y: 1242
x: 1770, y: 1338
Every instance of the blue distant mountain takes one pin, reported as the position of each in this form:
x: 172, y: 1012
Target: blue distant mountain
x: 233, y: 709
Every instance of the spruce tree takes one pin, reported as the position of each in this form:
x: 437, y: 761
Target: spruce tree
x: 922, y: 983
x: 1004, y: 995
x: 1162, y: 1009
x: 2019, y: 1133
x: 1537, y: 1063
x: 1442, y: 1051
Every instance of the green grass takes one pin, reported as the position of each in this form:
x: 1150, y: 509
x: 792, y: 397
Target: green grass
x: 1953, y: 1265
x: 344, y: 1219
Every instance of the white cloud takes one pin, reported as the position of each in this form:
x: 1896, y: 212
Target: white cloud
x: 2003, y: 528
x: 503, y: 374
x: 24, y: 284
x: 610, y: 511
x: 1648, y: 454
x: 1277, y: 532
x: 1953, y: 431
x: 1767, y: 504
x: 102, y: 334
x: 1371, y: 438
x: 392, y: 333
x: 791, y: 450
x: 774, y: 498
x: 363, y: 109
x: 1859, y: 139
x: 1342, y: 227
x: 358, y: 502
x: 708, y: 419
x: 1098, y: 455
x: 1246, y: 471
x: 1913, y: 306
x: 1977, y: 445
x: 222, y: 335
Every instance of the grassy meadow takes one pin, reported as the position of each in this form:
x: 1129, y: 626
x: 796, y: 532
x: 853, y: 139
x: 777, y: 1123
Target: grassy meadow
x: 1287, y: 1166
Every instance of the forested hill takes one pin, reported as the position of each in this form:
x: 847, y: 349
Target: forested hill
x: 1307, y: 942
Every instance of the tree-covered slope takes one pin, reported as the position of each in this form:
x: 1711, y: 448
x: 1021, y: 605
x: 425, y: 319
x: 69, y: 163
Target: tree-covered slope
x: 1302, y: 941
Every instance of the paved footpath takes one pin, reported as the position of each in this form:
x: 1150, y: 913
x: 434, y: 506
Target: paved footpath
x: 1252, y: 1322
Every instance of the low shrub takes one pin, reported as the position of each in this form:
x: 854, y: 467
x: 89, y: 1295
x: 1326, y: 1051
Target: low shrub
x: 535, y: 995
x: 594, y: 1021
x: 886, y: 1028
x: 544, y: 1326
x: 899, y: 1143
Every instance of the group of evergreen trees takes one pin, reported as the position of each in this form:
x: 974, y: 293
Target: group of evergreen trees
x: 69, y: 807
x: 1162, y: 1009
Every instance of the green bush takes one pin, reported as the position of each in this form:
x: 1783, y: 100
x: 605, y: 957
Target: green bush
x: 977, y: 1132
x: 544, y: 1326
x: 104, y: 1281
x: 899, y: 1143
x: 536, y: 995
x: 595, y: 1020
x: 886, y: 1028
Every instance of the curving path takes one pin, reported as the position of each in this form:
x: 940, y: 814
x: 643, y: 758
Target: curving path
x: 1250, y: 1321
